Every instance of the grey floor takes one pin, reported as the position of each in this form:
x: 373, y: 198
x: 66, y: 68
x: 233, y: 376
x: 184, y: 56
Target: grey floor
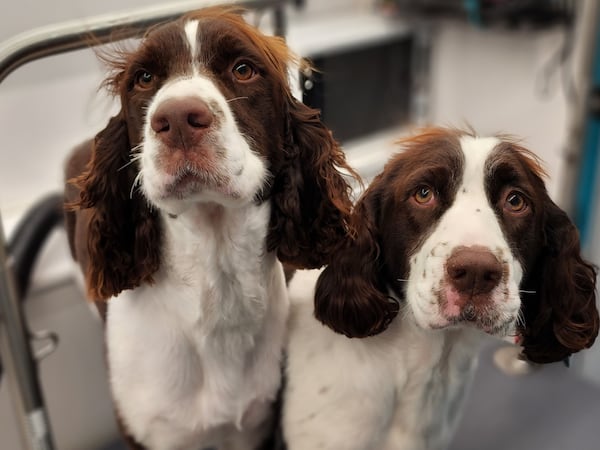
x: 549, y: 409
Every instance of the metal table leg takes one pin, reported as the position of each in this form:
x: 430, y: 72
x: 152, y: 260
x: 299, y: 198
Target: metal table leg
x: 18, y: 360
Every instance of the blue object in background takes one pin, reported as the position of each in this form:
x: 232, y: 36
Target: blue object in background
x: 587, y: 183
x: 473, y: 10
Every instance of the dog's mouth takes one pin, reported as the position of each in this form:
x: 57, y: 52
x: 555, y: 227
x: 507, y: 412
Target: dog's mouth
x: 492, y: 324
x: 192, y: 181
x: 488, y: 310
x: 480, y: 312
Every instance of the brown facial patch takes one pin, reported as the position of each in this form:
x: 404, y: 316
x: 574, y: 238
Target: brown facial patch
x: 558, y: 288
x: 513, y: 171
x: 162, y: 55
x: 259, y: 103
x: 430, y: 165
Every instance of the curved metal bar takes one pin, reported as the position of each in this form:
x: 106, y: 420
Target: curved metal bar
x: 19, y: 361
x: 75, y: 34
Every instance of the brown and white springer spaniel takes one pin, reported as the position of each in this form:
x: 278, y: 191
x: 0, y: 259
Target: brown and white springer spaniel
x: 457, y: 237
x: 180, y: 213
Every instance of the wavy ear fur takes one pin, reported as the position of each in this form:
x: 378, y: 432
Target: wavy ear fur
x: 123, y: 233
x: 350, y: 296
x: 561, y: 318
x: 311, y: 197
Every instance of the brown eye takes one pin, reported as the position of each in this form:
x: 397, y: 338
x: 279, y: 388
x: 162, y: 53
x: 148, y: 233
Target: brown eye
x: 424, y: 195
x: 515, y: 202
x: 243, y: 71
x: 144, y: 79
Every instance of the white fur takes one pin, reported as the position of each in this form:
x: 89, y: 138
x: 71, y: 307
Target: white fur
x: 402, y: 389
x: 195, y: 358
x: 191, y: 34
x: 382, y: 392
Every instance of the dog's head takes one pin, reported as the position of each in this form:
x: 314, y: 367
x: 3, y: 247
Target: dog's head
x: 461, y: 230
x: 207, y: 116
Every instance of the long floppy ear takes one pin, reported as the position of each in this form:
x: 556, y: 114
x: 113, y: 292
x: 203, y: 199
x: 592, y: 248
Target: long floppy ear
x: 123, y: 233
x: 561, y: 317
x: 311, y: 197
x: 350, y: 296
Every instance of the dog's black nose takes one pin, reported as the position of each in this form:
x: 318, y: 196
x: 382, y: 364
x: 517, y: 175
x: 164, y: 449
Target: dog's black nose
x: 181, y: 121
x: 473, y: 270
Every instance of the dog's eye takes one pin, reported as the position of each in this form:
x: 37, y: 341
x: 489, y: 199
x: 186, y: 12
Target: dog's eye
x: 243, y: 71
x: 424, y: 195
x: 515, y: 202
x: 144, y: 79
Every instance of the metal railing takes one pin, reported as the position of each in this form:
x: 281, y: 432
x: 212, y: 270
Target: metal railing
x: 74, y: 35
x: 15, y: 348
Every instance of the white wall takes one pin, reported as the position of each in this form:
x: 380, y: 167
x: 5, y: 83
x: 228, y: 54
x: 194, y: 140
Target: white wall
x: 46, y: 106
x: 492, y: 79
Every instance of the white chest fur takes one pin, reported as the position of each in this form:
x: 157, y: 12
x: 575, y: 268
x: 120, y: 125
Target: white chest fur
x: 199, y: 351
x: 432, y: 378
x: 399, y: 390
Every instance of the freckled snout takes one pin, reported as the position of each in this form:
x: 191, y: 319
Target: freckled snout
x: 473, y: 271
x: 181, y: 122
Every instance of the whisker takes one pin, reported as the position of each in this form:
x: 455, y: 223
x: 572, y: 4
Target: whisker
x: 137, y: 181
x: 136, y: 149
x: 522, y: 291
x: 133, y: 158
x: 404, y: 280
x: 131, y: 161
x: 236, y: 98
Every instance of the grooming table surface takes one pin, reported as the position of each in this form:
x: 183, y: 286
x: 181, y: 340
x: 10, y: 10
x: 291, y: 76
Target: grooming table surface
x: 549, y: 409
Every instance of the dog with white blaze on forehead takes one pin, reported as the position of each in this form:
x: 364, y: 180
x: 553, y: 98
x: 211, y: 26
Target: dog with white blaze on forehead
x: 181, y: 212
x: 455, y: 238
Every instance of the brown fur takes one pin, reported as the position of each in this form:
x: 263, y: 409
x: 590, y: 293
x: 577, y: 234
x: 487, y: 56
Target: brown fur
x: 561, y: 317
